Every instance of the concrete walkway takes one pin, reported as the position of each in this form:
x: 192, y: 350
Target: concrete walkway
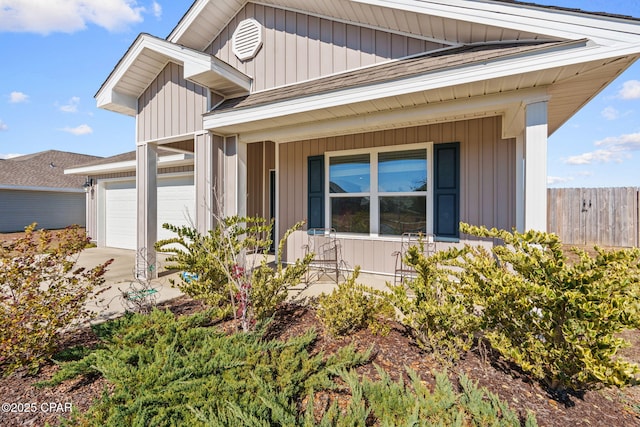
x: 119, y: 278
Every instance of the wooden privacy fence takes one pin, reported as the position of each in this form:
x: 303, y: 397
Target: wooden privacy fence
x: 602, y: 216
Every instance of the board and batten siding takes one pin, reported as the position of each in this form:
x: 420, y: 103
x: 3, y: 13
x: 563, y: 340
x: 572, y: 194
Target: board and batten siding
x: 51, y: 210
x: 170, y: 106
x: 298, y: 47
x: 487, y: 182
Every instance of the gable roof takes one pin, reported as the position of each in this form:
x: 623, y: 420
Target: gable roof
x: 592, y: 49
x: 43, y: 171
x: 147, y: 56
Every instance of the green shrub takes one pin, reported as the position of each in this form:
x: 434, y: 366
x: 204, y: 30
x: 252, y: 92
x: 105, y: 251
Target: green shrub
x: 351, y: 307
x: 556, y: 319
x: 437, y: 306
x: 390, y: 403
x: 179, y: 371
x: 41, y: 292
x: 229, y: 270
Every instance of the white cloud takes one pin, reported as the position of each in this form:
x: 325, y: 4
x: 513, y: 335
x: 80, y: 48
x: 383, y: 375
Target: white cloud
x: 610, y: 113
x: 18, y: 97
x: 157, y: 10
x: 553, y: 180
x: 630, y: 90
x: 71, y: 106
x: 3, y: 126
x: 615, y: 149
x: 78, y: 130
x: 10, y: 155
x: 67, y: 16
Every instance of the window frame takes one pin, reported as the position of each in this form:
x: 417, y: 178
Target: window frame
x: 374, y: 194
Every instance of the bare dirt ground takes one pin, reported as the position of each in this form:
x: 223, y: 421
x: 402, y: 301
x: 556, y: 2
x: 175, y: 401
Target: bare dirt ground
x: 394, y: 352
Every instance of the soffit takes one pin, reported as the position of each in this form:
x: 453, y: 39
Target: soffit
x: 147, y: 56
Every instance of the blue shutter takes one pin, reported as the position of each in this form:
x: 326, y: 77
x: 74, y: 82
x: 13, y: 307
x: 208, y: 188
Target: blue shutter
x: 446, y: 191
x: 315, y: 200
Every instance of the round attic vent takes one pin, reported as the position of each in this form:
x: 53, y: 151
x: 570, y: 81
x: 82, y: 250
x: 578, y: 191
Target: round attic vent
x: 247, y: 39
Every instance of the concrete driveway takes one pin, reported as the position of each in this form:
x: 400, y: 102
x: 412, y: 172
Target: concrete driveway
x: 119, y: 278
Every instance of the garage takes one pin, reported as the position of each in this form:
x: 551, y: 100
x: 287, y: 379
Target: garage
x: 176, y: 205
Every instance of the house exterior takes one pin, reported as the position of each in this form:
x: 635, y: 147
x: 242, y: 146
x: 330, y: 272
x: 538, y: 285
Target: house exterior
x: 373, y: 117
x: 34, y: 188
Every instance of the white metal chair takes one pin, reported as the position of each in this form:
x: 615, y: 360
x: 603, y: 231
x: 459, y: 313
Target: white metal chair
x: 403, y: 271
x: 322, y: 242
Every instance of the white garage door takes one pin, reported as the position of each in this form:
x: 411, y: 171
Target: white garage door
x: 176, y: 205
x: 120, y: 214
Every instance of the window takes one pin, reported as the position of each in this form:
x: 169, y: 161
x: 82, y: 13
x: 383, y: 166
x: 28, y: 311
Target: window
x: 381, y: 191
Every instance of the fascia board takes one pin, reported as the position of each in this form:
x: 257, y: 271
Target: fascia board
x: 125, y: 64
x: 45, y: 189
x: 194, y: 63
x: 495, y: 104
x: 185, y: 23
x: 429, y: 81
x: 202, y: 64
x: 116, y: 101
x: 555, y: 23
x: 129, y: 165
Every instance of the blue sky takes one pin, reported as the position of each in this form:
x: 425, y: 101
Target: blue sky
x: 56, y: 54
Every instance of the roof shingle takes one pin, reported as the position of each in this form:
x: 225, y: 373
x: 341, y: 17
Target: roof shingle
x: 392, y: 70
x: 44, y: 169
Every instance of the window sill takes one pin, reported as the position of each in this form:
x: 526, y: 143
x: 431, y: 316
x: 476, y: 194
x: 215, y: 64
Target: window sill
x: 389, y: 238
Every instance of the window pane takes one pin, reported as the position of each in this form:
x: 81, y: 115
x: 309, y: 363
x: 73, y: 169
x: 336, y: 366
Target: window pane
x: 350, y: 214
x: 349, y: 174
x: 402, y: 171
x: 403, y: 214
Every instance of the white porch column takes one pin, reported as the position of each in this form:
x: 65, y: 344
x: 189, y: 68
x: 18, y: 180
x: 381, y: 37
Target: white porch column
x: 520, y: 183
x: 235, y: 177
x: 147, y: 214
x: 535, y: 166
x: 204, y: 181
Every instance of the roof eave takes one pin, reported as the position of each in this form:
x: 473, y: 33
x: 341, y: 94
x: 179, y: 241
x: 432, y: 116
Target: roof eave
x: 43, y: 189
x: 200, y: 68
x: 172, y: 160
x: 545, y: 57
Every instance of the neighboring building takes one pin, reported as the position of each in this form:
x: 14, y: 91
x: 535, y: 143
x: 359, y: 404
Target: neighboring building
x: 369, y: 116
x: 111, y: 217
x: 34, y: 188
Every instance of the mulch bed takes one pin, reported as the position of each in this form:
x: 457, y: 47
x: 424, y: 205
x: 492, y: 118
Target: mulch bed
x: 393, y: 352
